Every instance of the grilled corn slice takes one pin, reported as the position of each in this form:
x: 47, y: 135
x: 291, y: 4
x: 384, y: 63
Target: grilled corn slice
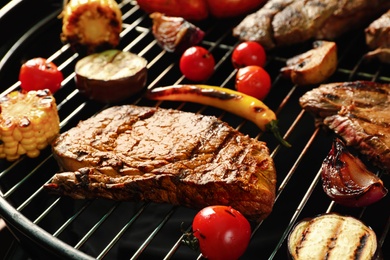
x: 91, y: 25
x: 29, y: 121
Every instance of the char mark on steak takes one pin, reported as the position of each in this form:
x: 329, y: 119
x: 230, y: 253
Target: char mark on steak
x: 378, y: 38
x: 132, y: 153
x: 359, y: 112
x: 286, y: 22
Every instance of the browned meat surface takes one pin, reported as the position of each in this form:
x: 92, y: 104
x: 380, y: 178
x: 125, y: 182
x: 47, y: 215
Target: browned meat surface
x: 378, y: 38
x: 359, y: 112
x: 165, y: 156
x: 285, y: 22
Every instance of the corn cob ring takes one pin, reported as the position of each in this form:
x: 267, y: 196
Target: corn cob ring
x: 91, y: 25
x: 28, y: 123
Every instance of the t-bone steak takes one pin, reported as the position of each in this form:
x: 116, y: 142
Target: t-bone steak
x: 134, y: 153
x: 359, y: 112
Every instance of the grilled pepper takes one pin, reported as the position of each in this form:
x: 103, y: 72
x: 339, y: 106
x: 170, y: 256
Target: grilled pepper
x: 91, y: 25
x: 29, y: 121
x: 200, y: 9
x: 232, y: 101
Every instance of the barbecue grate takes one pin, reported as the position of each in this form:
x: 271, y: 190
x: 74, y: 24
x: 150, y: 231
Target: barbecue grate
x: 64, y: 228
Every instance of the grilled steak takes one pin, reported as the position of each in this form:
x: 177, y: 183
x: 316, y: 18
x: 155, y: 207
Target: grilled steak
x: 286, y: 22
x: 164, y: 156
x: 358, y: 112
x: 378, y: 38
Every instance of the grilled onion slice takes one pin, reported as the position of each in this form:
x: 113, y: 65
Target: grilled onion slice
x: 175, y: 34
x: 347, y: 181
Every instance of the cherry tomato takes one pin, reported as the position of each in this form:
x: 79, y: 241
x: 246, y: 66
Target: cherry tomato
x: 222, y: 232
x: 253, y: 81
x: 38, y: 73
x: 248, y: 53
x: 197, y: 63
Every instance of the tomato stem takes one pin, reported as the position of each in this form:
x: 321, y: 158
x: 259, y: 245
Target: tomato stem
x: 190, y: 240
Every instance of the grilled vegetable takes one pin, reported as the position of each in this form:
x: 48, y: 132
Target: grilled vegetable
x: 253, y: 80
x: 111, y: 75
x: 332, y: 236
x: 313, y: 66
x: 91, y: 25
x: 219, y: 232
x: 28, y: 123
x: 248, y: 53
x: 39, y: 73
x: 232, y: 101
x: 175, y: 34
x: 197, y: 63
x: 200, y: 9
x: 347, y: 180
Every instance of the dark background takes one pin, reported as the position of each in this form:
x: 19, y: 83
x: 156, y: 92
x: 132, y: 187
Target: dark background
x: 30, y: 12
x: 13, y: 24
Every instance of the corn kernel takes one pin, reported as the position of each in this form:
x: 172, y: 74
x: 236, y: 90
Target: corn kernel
x: 21, y: 150
x: 17, y: 135
x: 7, y: 139
x: 41, y: 146
x: 12, y: 150
x: 29, y: 147
x: 28, y: 141
x: 33, y: 153
x: 28, y: 134
x: 40, y: 139
x: 10, y: 144
x: 12, y: 157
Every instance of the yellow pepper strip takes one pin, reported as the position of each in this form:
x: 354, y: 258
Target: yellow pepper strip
x: 229, y: 100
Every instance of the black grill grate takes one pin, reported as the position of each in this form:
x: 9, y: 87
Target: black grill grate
x: 64, y: 228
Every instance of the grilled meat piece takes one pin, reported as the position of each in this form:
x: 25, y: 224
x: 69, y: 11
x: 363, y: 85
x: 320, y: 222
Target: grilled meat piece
x: 378, y: 38
x: 358, y: 112
x: 165, y: 156
x: 286, y: 22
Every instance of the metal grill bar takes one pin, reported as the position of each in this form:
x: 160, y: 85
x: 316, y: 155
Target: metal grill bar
x: 136, y: 31
x: 122, y: 231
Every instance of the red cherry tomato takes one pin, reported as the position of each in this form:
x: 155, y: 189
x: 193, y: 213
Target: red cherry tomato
x: 253, y: 81
x: 248, y: 53
x: 222, y: 232
x: 38, y: 73
x: 197, y: 63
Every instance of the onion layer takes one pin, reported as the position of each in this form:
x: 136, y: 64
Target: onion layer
x: 346, y: 179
